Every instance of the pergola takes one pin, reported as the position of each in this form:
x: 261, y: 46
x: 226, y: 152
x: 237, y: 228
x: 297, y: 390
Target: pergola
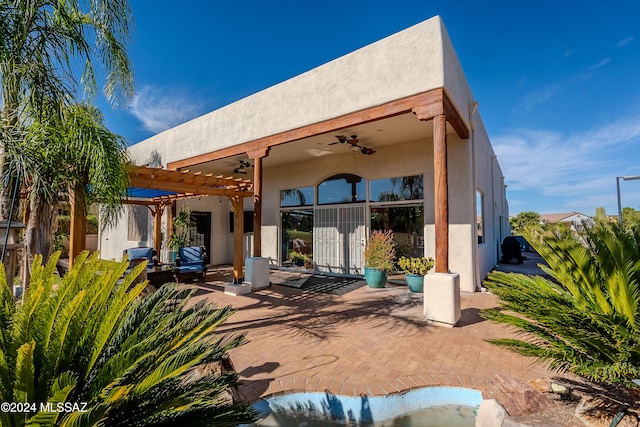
x: 157, y: 188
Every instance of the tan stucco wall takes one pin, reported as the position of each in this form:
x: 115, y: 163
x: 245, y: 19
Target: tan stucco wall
x: 404, y: 64
x: 489, y: 180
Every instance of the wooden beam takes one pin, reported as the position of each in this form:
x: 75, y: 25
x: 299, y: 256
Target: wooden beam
x: 441, y: 194
x: 454, y: 118
x: 195, y: 179
x: 157, y: 229
x: 257, y: 207
x: 390, y: 109
x: 238, y: 232
x: 141, y: 182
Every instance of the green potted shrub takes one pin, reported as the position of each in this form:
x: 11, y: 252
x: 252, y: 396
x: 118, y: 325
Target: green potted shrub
x: 379, y: 257
x: 181, y: 236
x: 414, y: 270
x: 298, y: 258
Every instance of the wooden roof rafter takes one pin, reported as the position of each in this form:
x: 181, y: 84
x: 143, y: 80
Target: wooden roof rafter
x: 185, y: 184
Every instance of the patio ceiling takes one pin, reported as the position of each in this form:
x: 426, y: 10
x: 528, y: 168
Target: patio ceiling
x: 394, y: 130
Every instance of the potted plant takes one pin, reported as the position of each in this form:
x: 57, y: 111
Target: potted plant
x: 298, y: 258
x: 379, y: 257
x: 415, y: 269
x: 181, y: 236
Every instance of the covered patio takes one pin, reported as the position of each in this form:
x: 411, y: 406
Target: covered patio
x: 159, y: 189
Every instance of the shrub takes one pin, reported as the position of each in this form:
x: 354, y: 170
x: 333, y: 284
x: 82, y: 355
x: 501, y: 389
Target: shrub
x: 135, y: 361
x: 586, y: 319
x: 379, y: 252
x: 418, y: 266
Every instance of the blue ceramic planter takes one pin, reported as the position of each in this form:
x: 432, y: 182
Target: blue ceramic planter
x: 415, y: 282
x: 375, y: 278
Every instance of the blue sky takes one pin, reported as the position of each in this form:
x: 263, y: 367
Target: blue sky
x: 558, y: 82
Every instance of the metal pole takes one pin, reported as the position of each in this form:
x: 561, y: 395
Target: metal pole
x: 619, y: 204
x: 626, y: 178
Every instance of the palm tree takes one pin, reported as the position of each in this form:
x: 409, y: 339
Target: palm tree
x: 585, y: 320
x: 156, y: 360
x: 41, y: 43
x: 74, y: 154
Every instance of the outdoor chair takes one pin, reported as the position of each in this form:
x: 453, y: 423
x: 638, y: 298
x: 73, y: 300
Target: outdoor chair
x: 191, y: 263
x: 136, y: 256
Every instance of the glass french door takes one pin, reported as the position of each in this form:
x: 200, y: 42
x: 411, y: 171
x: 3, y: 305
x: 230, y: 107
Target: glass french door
x: 339, y: 238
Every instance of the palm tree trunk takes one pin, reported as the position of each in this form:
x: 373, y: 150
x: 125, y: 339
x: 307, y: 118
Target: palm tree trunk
x: 37, y: 236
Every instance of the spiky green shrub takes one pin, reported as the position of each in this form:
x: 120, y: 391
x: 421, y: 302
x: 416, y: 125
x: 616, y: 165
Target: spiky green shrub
x: 418, y: 266
x: 586, y: 319
x: 134, y: 360
x: 380, y: 252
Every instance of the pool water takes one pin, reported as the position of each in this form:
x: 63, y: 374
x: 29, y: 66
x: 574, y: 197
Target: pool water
x: 437, y: 416
x: 429, y: 406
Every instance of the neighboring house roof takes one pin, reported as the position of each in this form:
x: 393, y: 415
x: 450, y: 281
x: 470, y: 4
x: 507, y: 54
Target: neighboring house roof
x: 566, y: 218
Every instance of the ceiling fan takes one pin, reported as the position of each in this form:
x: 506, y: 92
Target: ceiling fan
x: 353, y: 141
x: 242, y: 168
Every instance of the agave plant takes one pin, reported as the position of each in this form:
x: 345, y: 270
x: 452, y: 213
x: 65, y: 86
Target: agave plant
x: 112, y: 357
x: 586, y: 318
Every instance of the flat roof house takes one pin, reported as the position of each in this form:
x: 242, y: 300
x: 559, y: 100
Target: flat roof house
x: 386, y: 137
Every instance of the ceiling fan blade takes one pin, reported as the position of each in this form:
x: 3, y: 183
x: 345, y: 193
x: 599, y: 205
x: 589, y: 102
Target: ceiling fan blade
x: 341, y: 139
x: 367, y: 151
x: 334, y: 143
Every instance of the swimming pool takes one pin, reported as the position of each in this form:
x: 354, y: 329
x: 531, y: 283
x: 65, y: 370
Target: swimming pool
x: 454, y: 404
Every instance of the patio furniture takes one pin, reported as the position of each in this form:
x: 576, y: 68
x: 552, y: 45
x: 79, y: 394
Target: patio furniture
x: 141, y: 255
x: 158, y: 275
x: 191, y: 263
x: 138, y: 254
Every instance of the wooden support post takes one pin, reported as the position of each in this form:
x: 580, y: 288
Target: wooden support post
x: 441, y: 194
x: 157, y: 228
x: 257, y: 207
x: 78, y: 227
x: 238, y: 231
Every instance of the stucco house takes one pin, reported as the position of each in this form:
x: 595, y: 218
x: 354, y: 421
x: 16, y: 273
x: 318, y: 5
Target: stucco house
x: 388, y: 136
x: 570, y: 219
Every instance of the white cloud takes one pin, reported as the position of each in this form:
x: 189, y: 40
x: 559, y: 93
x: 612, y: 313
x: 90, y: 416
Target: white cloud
x: 602, y: 63
x: 579, y: 169
x: 536, y: 97
x: 625, y: 41
x: 160, y: 108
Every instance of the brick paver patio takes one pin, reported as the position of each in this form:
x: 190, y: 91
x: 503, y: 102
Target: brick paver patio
x: 368, y: 341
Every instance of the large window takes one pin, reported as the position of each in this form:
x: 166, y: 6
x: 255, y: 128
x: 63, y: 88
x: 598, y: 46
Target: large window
x: 138, y: 223
x: 396, y: 204
x: 301, y: 196
x: 407, y: 223
x: 342, y: 188
x: 400, y: 188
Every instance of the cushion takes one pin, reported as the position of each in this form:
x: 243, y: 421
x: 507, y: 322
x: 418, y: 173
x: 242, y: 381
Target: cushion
x: 191, y: 255
x: 135, y: 253
x: 189, y: 269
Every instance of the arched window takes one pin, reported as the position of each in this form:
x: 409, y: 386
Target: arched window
x: 342, y: 188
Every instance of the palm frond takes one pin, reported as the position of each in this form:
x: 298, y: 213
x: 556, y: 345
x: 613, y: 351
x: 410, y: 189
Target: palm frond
x: 584, y: 320
x: 25, y: 373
